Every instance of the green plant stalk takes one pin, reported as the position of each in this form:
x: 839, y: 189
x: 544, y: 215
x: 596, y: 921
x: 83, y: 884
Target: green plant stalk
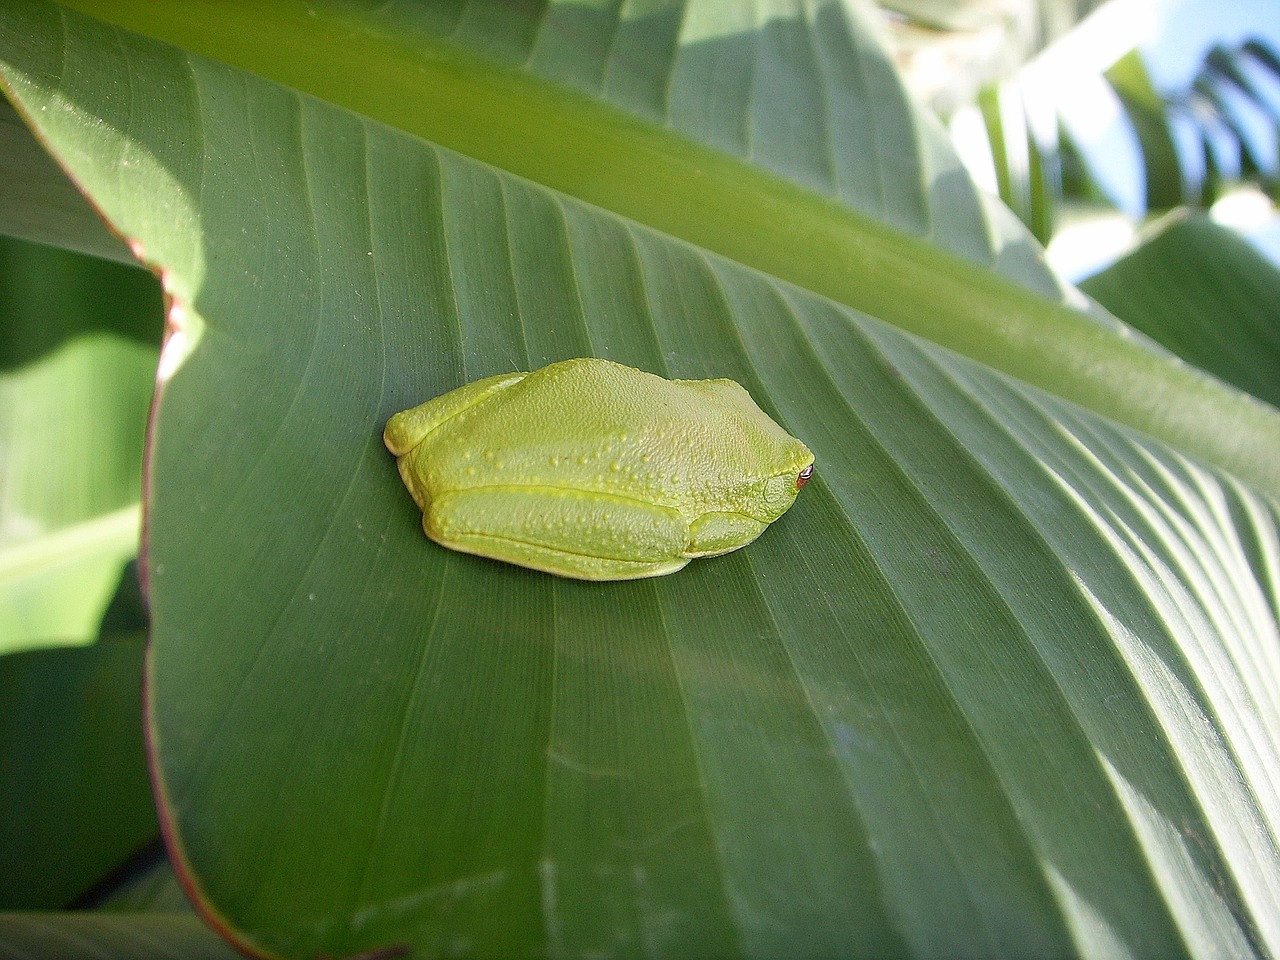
x: 522, y: 124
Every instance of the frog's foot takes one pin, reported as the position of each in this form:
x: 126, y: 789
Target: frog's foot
x: 589, y: 536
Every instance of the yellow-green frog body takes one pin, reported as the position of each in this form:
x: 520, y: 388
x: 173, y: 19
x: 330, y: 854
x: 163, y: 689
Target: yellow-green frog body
x: 594, y: 470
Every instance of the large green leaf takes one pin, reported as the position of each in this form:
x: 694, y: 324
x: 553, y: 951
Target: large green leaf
x: 1002, y: 682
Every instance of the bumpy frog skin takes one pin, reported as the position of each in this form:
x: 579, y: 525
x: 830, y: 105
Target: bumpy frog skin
x: 593, y: 470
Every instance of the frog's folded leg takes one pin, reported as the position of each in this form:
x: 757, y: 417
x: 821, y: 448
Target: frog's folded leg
x: 410, y: 427
x: 546, y: 528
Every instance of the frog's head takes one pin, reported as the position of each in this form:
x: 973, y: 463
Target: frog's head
x: 777, y: 491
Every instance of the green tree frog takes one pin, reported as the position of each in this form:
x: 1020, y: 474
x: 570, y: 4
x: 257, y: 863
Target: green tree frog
x: 590, y: 469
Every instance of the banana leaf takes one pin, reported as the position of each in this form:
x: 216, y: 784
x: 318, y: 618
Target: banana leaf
x: 1002, y: 682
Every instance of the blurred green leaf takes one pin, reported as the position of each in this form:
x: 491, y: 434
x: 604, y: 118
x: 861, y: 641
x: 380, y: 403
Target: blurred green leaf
x: 75, y: 800
x: 79, y: 350
x: 1027, y: 175
x: 1252, y: 115
x: 71, y: 438
x: 1001, y: 683
x: 1207, y: 295
x: 1215, y: 133
x: 50, y: 298
x: 148, y: 885
x: 152, y: 936
x: 1146, y: 109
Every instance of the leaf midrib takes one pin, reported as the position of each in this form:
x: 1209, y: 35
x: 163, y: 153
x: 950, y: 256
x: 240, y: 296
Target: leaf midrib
x: 520, y: 123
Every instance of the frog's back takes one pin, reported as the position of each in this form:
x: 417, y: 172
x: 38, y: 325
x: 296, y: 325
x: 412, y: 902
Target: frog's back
x: 597, y: 425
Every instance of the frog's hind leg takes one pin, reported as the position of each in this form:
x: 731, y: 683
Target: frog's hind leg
x: 589, y: 536
x: 407, y: 429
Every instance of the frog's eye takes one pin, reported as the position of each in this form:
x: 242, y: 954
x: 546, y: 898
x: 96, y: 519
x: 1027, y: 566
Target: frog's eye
x: 805, y: 474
